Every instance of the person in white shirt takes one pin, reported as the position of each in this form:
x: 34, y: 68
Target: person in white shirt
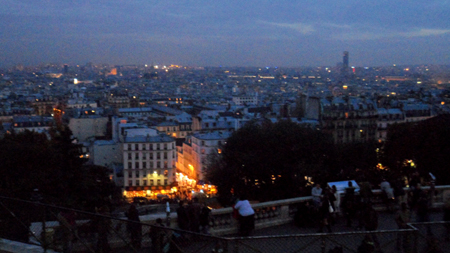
x: 316, y: 194
x: 388, y: 195
x: 246, y: 216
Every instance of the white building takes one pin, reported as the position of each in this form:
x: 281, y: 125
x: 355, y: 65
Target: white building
x: 245, y: 99
x: 149, y: 162
x: 80, y: 103
x: 88, y: 126
x: 105, y: 153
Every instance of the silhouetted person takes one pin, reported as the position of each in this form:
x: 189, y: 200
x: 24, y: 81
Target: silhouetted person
x: 103, y: 227
x: 158, y: 236
x: 365, y: 191
x: 183, y: 216
x: 324, y: 212
x: 447, y: 217
x: 349, y: 203
x: 402, y: 218
x: 204, y: 219
x: 67, y: 221
x: 194, y: 210
x: 399, y: 192
x: 134, y: 226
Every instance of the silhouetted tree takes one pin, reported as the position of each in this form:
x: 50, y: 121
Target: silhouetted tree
x: 269, y: 161
x: 425, y: 143
x: 55, y: 166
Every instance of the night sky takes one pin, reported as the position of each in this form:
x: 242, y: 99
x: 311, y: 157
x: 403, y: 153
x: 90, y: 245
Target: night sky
x: 227, y: 33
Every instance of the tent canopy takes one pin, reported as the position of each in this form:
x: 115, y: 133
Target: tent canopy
x: 341, y: 185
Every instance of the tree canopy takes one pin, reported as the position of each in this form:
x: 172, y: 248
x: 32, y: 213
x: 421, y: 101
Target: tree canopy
x: 269, y: 161
x: 423, y: 146
x: 54, y: 166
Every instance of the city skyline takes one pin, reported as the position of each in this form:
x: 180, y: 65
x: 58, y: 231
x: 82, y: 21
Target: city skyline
x: 201, y: 33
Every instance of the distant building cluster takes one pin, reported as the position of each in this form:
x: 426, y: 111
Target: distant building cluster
x: 154, y: 126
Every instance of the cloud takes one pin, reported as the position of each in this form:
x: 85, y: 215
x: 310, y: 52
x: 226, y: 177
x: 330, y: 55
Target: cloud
x: 380, y: 34
x: 337, y: 26
x: 299, y: 27
x: 425, y: 32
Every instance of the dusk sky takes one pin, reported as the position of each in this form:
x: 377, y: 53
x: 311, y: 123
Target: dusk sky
x: 227, y: 33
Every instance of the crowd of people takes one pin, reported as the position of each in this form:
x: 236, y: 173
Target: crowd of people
x: 355, y: 206
x: 193, y: 216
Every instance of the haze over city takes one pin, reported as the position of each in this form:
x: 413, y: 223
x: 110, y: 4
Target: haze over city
x: 230, y: 33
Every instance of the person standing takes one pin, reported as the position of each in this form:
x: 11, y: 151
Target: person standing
x: 204, y: 219
x: 422, y: 207
x: 103, y: 229
x: 67, y: 220
x: 371, y: 224
x: 349, y: 203
x: 446, y: 218
x: 159, y: 237
x: 402, y: 218
x: 316, y: 194
x: 324, y: 212
x: 183, y: 216
x: 365, y: 191
x: 399, y: 192
x: 194, y: 211
x: 134, y: 226
x: 246, y: 216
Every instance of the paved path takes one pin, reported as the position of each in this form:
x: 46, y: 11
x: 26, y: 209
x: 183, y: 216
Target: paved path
x: 386, y: 221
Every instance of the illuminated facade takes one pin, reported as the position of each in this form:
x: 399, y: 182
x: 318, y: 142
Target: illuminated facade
x: 196, y: 149
x: 178, y: 127
x: 149, y: 163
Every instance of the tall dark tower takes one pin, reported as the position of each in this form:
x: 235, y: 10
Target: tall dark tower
x: 345, y: 60
x: 344, y: 70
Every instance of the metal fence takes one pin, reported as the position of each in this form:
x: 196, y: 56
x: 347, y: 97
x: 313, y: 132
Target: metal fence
x: 376, y: 241
x: 47, y: 226
x: 50, y: 227
x: 432, y: 236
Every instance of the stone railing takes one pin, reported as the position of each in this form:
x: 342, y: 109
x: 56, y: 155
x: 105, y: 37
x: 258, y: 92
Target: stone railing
x: 272, y: 213
x: 267, y: 214
x: 279, y: 212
